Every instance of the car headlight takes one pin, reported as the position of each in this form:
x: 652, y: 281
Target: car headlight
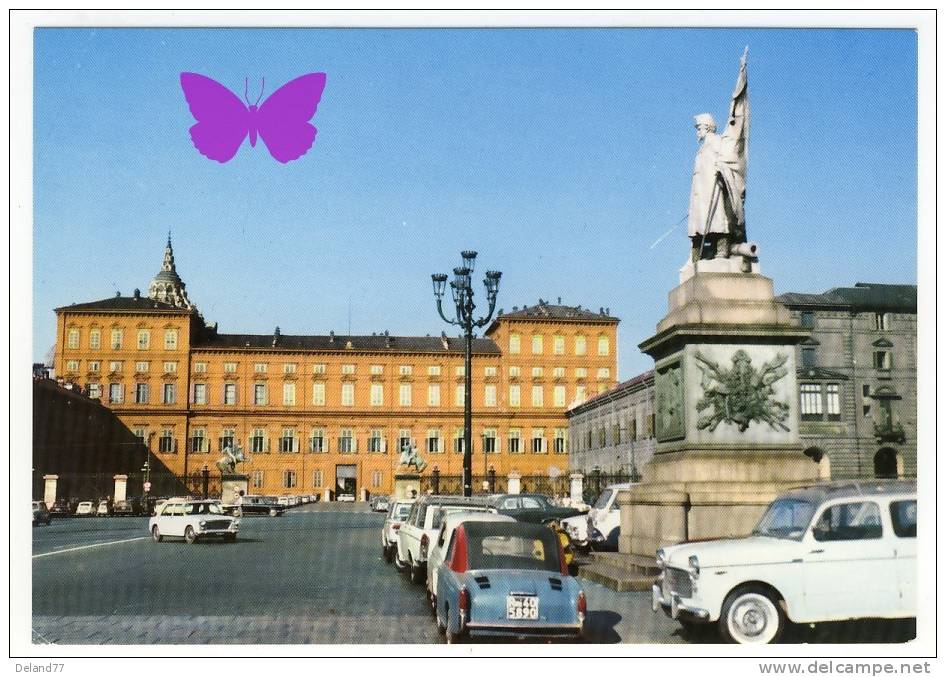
x: 661, y: 558
x: 694, y: 563
x: 203, y: 523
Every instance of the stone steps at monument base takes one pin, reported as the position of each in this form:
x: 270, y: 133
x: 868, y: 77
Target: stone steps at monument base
x: 634, y: 563
x: 616, y: 578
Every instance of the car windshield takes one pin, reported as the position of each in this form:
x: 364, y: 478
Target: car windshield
x: 603, y: 499
x: 202, y: 509
x: 513, y: 551
x: 785, y: 518
x: 401, y: 511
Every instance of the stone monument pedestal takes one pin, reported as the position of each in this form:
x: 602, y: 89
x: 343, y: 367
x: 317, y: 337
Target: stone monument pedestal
x: 726, y: 414
x: 231, y: 486
x: 406, y: 484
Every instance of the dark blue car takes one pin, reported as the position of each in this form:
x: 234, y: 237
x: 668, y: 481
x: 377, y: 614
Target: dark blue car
x: 507, y: 580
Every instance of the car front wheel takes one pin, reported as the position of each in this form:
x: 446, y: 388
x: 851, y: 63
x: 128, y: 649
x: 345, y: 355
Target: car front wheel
x: 751, y: 615
x: 156, y: 534
x: 189, y: 535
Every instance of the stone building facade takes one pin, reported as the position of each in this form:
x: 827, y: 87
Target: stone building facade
x: 614, y: 431
x: 856, y: 390
x: 318, y: 412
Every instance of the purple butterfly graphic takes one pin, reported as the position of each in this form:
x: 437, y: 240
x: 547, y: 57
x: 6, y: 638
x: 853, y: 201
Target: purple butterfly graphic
x: 223, y: 121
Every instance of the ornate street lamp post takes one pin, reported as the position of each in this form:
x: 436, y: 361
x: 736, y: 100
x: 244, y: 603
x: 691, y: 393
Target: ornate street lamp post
x: 462, y: 291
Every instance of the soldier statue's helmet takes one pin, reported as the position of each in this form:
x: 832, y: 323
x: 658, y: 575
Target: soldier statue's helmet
x: 704, y: 119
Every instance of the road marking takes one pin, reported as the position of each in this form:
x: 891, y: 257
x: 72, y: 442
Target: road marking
x: 86, y: 547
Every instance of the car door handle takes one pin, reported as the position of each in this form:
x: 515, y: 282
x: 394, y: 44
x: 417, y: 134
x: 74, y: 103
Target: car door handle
x: 818, y: 551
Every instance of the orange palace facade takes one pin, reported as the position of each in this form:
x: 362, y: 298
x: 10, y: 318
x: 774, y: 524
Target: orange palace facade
x: 310, y: 410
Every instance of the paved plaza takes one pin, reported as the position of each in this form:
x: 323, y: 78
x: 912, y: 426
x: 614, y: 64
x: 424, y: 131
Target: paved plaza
x: 313, y: 575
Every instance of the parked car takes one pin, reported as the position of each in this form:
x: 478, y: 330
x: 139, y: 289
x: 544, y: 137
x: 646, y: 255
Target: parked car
x: 259, y: 505
x: 438, y: 551
x: 192, y: 520
x: 84, y: 509
x: 123, y: 509
x: 421, y: 526
x: 345, y: 498
x: 61, y: 508
x: 283, y: 501
x: 399, y: 511
x: 380, y: 503
x: 507, y: 579
x: 103, y: 509
x: 41, y: 514
x: 534, y: 508
x: 601, y: 527
x: 828, y: 552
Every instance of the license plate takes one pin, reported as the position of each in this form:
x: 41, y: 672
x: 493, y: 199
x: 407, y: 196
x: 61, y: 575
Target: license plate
x: 522, y: 607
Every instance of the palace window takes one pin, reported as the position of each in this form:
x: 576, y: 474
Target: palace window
x: 433, y: 395
x: 317, y: 478
x: 116, y: 339
x: 348, y: 394
x: 433, y: 370
x: 73, y: 340
x: 538, y: 440
x: 318, y: 368
x: 515, y: 395
x: 808, y: 356
x: 558, y: 395
x: 807, y: 319
x: 199, y: 441
x: 348, y: 369
x: 604, y: 372
x: 558, y: 344
x: 604, y: 345
x: 229, y: 367
x: 256, y: 479
x: 514, y: 443
x: 459, y: 370
x: 404, y: 394
x: 537, y: 396
x: 458, y: 441
x: 166, y: 443
x: 72, y: 366
x: 170, y: 339
x: 581, y: 372
x: 170, y: 393
x: 289, y: 394
x: 200, y: 367
x: 141, y: 367
x: 514, y: 372
x: 144, y: 339
x: 94, y: 390
x: 814, y: 407
x: 116, y: 393
x: 459, y: 395
x: 581, y: 345
x: 376, y: 478
x: 489, y: 371
x: 377, y: 369
x: 259, y: 393
x: 258, y: 442
x: 289, y: 368
x: 602, y: 438
x: 560, y: 444
x: 833, y: 401
x: 317, y: 443
x: 346, y: 441
x: 95, y: 339
x: 882, y: 321
x: 489, y: 441
x: 288, y: 479
x: 229, y: 393
x: 226, y: 438
x: 94, y: 366
x: 287, y: 443
x: 405, y: 370
x: 170, y: 367
x: 260, y: 368
x: 537, y: 345
x: 377, y: 395
x: 489, y: 396
x: 404, y: 440
x: 558, y: 372
x: 375, y: 441
x: 318, y: 394
x: 141, y: 393
x: 882, y: 360
x: 514, y: 344
x: 538, y: 372
x: 433, y: 441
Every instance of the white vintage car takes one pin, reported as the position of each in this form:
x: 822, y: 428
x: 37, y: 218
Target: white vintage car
x: 828, y: 552
x: 191, y: 520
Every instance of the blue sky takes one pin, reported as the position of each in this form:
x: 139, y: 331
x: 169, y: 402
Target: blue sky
x: 562, y: 156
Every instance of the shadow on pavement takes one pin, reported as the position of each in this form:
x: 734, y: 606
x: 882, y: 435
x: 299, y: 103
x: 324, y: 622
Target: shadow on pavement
x: 870, y: 631
x: 600, y: 627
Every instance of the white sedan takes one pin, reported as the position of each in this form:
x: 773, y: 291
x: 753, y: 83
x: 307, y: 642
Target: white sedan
x: 192, y: 520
